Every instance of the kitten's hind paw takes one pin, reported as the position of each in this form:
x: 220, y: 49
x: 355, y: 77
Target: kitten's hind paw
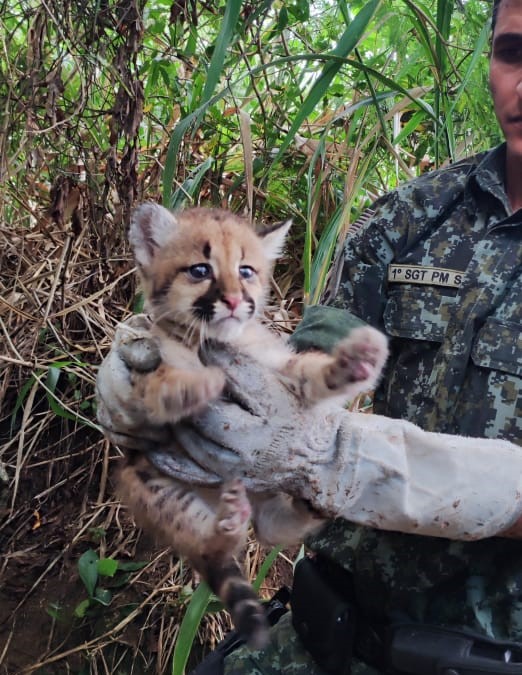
x: 234, y: 509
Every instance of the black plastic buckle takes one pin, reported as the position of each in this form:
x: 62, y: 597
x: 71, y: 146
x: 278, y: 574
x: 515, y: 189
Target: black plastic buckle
x: 277, y: 605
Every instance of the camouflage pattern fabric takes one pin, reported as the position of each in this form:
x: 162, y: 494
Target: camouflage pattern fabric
x: 284, y: 654
x: 438, y: 268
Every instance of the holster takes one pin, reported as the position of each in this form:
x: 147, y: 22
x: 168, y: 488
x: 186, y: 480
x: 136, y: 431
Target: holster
x: 323, y: 617
x: 332, y: 629
x: 431, y: 650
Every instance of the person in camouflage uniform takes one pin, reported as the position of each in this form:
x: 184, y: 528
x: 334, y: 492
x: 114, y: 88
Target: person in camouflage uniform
x: 437, y: 267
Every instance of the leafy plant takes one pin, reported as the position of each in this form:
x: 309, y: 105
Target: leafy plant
x: 94, y: 570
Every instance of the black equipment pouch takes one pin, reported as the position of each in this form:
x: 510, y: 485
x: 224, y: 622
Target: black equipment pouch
x: 430, y: 650
x: 323, y: 618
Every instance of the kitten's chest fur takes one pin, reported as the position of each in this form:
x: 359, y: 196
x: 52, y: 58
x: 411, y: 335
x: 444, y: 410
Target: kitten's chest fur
x: 256, y: 340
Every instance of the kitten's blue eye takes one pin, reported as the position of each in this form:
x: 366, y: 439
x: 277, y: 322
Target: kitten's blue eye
x: 246, y: 272
x: 200, y: 271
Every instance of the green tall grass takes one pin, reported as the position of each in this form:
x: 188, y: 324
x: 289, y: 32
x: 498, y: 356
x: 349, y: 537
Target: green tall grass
x: 343, y: 98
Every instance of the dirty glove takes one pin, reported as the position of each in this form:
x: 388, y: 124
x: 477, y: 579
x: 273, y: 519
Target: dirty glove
x: 366, y: 468
x: 134, y: 353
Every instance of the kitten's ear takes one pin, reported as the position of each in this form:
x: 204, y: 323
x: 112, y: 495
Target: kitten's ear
x: 273, y: 238
x: 151, y: 226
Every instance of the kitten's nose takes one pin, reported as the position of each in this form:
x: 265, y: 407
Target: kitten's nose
x: 232, y: 301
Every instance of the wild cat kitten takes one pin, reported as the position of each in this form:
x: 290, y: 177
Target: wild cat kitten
x: 205, y: 273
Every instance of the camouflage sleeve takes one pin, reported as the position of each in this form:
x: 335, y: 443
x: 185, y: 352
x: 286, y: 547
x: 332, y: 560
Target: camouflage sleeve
x: 322, y: 327
x: 354, y: 295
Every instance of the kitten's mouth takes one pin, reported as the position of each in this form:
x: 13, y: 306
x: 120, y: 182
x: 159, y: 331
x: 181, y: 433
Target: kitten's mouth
x: 223, y: 319
x: 226, y: 328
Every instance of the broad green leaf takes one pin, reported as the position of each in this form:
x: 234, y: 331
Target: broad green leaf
x: 103, y: 596
x: 129, y: 566
x: 81, y: 608
x: 88, y: 570
x: 107, y: 567
x: 53, y: 375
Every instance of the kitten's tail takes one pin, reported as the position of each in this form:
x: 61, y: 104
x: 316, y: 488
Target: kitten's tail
x: 248, y: 616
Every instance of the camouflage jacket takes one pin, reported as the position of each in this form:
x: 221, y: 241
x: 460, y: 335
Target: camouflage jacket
x: 438, y: 268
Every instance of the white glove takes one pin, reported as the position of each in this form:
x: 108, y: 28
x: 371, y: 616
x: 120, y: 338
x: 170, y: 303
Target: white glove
x: 366, y: 468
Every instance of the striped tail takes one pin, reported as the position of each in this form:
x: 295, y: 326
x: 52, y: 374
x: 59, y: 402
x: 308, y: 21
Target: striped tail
x: 227, y: 581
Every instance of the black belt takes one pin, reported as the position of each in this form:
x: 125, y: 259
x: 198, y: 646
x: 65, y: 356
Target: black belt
x: 333, y: 629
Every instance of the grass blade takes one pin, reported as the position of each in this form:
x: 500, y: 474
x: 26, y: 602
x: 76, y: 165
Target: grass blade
x: 346, y: 44
x: 232, y: 10
x: 189, y: 627
x: 191, y: 184
x: 265, y: 567
x: 476, y: 58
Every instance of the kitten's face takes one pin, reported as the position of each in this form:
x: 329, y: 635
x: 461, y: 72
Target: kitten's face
x: 203, y: 270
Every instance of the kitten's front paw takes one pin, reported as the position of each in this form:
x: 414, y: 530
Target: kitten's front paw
x: 172, y: 394
x: 359, y: 358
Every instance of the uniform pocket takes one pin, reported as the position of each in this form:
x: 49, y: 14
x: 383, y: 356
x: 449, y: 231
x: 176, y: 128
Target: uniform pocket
x: 417, y: 313
x: 498, y: 346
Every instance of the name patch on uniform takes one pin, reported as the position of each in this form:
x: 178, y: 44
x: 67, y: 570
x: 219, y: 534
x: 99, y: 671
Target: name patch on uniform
x: 431, y: 276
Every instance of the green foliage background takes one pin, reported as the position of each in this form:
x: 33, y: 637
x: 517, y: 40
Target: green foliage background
x: 300, y: 108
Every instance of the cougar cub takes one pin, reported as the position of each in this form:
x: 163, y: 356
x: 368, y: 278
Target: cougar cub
x: 205, y: 273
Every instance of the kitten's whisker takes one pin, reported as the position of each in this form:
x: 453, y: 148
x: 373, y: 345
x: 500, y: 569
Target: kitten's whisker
x: 178, y: 318
x: 190, y: 330
x: 169, y: 313
x: 203, y: 332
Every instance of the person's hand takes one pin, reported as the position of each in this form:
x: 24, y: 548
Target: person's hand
x: 368, y: 469
x: 258, y: 431
x: 134, y: 353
